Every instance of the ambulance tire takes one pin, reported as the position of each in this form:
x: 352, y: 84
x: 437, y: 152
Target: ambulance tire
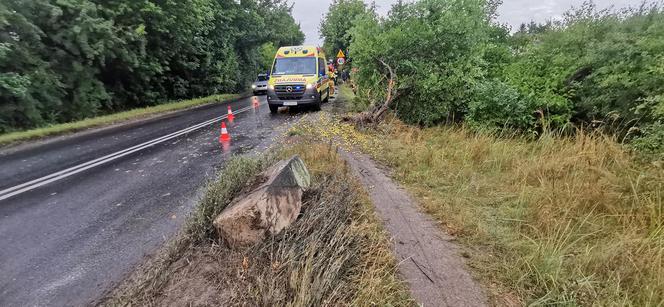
x: 327, y: 98
x: 274, y: 109
x: 317, y: 104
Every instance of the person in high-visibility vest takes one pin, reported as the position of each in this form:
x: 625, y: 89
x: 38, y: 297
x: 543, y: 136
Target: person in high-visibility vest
x: 333, y: 70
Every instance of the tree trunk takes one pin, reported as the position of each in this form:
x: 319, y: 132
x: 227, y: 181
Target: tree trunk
x: 377, y: 112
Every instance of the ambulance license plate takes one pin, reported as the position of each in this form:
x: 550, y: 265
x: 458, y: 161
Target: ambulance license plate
x: 290, y: 103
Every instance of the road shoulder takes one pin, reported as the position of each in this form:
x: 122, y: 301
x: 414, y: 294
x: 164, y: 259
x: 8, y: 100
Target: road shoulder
x: 428, y: 259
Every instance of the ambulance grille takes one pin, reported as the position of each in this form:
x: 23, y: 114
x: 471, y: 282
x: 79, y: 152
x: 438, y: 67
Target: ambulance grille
x: 290, y: 91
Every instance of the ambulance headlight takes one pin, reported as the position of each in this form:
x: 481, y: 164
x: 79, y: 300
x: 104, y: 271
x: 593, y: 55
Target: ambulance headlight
x: 270, y: 87
x: 310, y: 86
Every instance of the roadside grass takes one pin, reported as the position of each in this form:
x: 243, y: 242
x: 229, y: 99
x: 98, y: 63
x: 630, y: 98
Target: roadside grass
x: 557, y: 221
x: 346, y: 97
x: 350, y: 102
x: 336, y: 253
x: 18, y: 136
x: 373, y: 277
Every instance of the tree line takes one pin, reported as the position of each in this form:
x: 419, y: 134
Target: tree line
x: 64, y: 60
x: 455, y: 63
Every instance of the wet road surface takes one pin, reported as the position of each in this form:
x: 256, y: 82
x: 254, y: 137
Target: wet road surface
x: 69, y: 237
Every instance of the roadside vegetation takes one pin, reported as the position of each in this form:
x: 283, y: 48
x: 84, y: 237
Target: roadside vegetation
x: 554, y: 221
x: 593, y: 69
x: 560, y: 220
x: 64, y: 61
x: 335, y: 253
x: 540, y: 149
x: 58, y: 129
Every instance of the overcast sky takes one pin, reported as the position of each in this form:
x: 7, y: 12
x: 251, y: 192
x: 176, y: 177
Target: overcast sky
x: 513, y: 12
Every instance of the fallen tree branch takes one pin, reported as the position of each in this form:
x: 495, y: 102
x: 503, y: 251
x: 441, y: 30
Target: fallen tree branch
x: 377, y: 112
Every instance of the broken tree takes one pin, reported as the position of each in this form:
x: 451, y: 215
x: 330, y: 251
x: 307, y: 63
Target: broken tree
x: 378, y: 110
x: 268, y: 208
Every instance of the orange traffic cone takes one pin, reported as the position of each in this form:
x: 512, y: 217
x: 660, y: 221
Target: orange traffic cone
x: 225, y: 136
x: 231, y: 117
x: 256, y: 104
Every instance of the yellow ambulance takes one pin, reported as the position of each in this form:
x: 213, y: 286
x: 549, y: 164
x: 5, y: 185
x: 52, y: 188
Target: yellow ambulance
x: 299, y: 77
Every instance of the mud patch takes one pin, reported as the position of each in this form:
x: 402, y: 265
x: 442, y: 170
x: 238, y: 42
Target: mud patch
x: 194, y: 282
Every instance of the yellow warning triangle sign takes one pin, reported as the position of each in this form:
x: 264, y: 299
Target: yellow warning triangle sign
x: 341, y: 54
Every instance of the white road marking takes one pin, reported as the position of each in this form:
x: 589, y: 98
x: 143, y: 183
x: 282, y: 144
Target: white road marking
x: 33, y: 184
x: 49, y: 288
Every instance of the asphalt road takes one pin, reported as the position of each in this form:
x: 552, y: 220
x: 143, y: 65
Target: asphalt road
x: 67, y: 237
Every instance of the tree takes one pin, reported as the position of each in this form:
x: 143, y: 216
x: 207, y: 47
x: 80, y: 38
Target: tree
x: 337, y: 22
x: 70, y: 59
x: 436, y: 48
x: 51, y: 56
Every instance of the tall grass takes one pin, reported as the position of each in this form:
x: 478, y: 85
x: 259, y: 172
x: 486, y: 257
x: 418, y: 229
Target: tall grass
x: 359, y: 236
x: 561, y: 221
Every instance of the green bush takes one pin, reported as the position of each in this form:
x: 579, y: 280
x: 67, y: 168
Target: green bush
x: 497, y: 106
x: 595, y: 64
x: 592, y: 69
x: 436, y: 49
x: 651, y: 141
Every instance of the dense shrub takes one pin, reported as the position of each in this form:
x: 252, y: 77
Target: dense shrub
x: 496, y: 104
x: 651, y: 142
x: 595, y: 65
x: 70, y: 59
x: 593, y: 68
x: 436, y: 48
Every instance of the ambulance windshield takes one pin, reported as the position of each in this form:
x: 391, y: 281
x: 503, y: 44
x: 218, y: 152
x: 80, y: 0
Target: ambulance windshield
x: 294, y: 66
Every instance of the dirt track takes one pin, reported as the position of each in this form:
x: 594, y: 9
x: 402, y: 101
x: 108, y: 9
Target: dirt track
x: 428, y: 260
